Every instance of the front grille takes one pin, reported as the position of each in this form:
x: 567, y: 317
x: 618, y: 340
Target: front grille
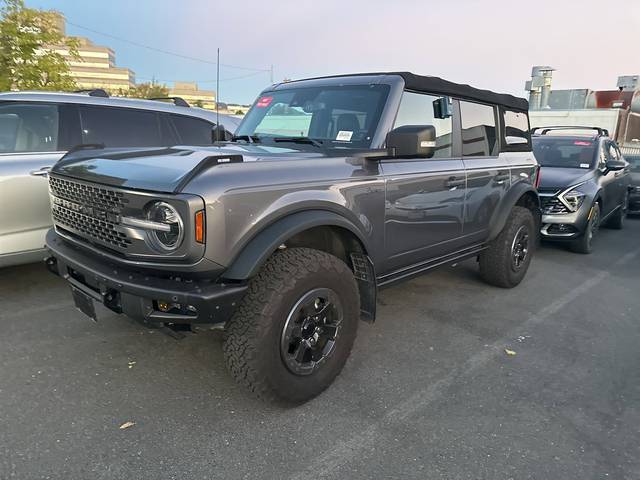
x: 89, y: 226
x: 100, y: 197
x: 91, y: 212
x: 552, y: 205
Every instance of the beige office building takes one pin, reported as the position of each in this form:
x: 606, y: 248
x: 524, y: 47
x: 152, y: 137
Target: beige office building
x: 190, y: 92
x: 96, y: 67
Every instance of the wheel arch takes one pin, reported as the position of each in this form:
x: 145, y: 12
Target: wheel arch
x: 318, y: 229
x: 521, y: 194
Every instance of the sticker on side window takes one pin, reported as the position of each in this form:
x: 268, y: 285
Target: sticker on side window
x: 264, y: 102
x: 344, y: 135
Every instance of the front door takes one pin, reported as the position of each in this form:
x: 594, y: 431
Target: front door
x: 424, y: 202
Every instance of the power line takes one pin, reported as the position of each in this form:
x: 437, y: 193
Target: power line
x: 204, y: 81
x: 166, y: 52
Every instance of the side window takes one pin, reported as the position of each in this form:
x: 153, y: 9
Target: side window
x: 516, y: 124
x: 193, y: 131
x: 120, y: 127
x: 602, y: 159
x: 478, y: 129
x: 418, y: 109
x: 28, y: 127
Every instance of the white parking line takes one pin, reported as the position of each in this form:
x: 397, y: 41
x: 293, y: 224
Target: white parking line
x: 343, y: 452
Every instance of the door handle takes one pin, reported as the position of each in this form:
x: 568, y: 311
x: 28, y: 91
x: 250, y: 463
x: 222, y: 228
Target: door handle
x: 43, y: 172
x: 454, y: 182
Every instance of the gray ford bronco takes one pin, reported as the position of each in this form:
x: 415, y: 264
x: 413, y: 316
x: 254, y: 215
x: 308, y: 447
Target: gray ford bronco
x: 331, y: 188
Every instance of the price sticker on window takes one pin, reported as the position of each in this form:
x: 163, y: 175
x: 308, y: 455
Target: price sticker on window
x: 264, y: 102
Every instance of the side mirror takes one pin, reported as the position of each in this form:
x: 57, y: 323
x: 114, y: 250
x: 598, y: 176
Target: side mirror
x: 615, y: 165
x: 218, y: 134
x: 516, y: 140
x: 412, y: 141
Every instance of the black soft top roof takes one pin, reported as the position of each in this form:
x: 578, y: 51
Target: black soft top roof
x: 440, y: 86
x: 445, y: 87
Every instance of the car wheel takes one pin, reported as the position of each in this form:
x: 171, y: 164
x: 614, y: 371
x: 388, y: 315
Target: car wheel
x: 617, y: 219
x: 584, y: 244
x: 506, y: 261
x: 293, y: 331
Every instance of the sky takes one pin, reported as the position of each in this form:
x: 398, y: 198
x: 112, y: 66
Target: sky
x: 486, y: 43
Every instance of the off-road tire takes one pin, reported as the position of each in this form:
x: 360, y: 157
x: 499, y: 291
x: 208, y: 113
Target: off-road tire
x: 584, y: 243
x: 496, y: 266
x: 617, y: 219
x: 252, y: 336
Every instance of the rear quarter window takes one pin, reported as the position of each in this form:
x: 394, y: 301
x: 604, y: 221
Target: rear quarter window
x: 516, y: 124
x: 192, y: 131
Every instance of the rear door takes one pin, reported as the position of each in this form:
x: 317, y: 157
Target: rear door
x: 424, y: 196
x: 123, y: 127
x: 488, y: 174
x: 33, y: 136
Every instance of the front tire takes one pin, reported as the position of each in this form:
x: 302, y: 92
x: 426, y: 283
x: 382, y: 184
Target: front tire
x: 293, y: 331
x: 584, y: 244
x: 506, y: 261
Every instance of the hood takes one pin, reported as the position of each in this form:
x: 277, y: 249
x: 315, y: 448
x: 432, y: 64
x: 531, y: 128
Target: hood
x: 556, y: 177
x: 161, y: 169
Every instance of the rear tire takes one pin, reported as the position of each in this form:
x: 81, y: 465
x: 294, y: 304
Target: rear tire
x: 270, y: 340
x: 617, y: 219
x: 506, y: 261
x: 584, y: 244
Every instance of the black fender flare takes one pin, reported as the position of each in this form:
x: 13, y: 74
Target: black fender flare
x: 508, y: 202
x: 256, y: 252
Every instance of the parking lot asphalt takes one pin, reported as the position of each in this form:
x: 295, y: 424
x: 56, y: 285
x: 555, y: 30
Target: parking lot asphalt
x: 429, y: 391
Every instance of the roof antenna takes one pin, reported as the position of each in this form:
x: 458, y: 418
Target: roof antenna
x: 218, y: 95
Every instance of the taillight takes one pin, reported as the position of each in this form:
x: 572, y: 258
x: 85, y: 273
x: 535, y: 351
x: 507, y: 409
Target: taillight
x: 199, y: 221
x: 538, y: 175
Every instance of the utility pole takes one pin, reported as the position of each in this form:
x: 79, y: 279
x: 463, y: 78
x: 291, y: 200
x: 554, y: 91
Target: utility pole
x: 217, y: 93
x: 271, y: 73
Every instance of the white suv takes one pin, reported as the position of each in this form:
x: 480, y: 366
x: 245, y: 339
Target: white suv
x: 38, y: 128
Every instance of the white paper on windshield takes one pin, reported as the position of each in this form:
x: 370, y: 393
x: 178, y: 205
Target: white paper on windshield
x: 344, y: 135
x: 585, y: 165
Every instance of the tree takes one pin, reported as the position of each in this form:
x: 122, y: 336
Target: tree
x: 28, y: 60
x: 148, y: 90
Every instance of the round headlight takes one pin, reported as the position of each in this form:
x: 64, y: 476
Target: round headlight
x: 170, y: 237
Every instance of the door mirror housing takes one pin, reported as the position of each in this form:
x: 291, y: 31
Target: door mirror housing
x: 412, y: 141
x: 615, y: 165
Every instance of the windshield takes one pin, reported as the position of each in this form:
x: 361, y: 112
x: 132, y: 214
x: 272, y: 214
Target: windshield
x: 565, y: 152
x: 337, y: 117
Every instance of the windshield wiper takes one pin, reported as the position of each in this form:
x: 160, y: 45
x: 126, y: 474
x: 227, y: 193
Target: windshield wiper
x: 247, y: 138
x: 307, y: 140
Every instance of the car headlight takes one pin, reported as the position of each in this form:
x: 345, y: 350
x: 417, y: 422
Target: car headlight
x: 572, y: 199
x: 170, y: 238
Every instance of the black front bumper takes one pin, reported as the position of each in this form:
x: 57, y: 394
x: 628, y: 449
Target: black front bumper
x: 136, y: 294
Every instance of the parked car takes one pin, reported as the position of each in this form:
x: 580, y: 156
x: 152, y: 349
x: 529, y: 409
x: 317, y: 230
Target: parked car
x: 584, y: 183
x: 332, y: 188
x: 634, y: 190
x: 36, y: 130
